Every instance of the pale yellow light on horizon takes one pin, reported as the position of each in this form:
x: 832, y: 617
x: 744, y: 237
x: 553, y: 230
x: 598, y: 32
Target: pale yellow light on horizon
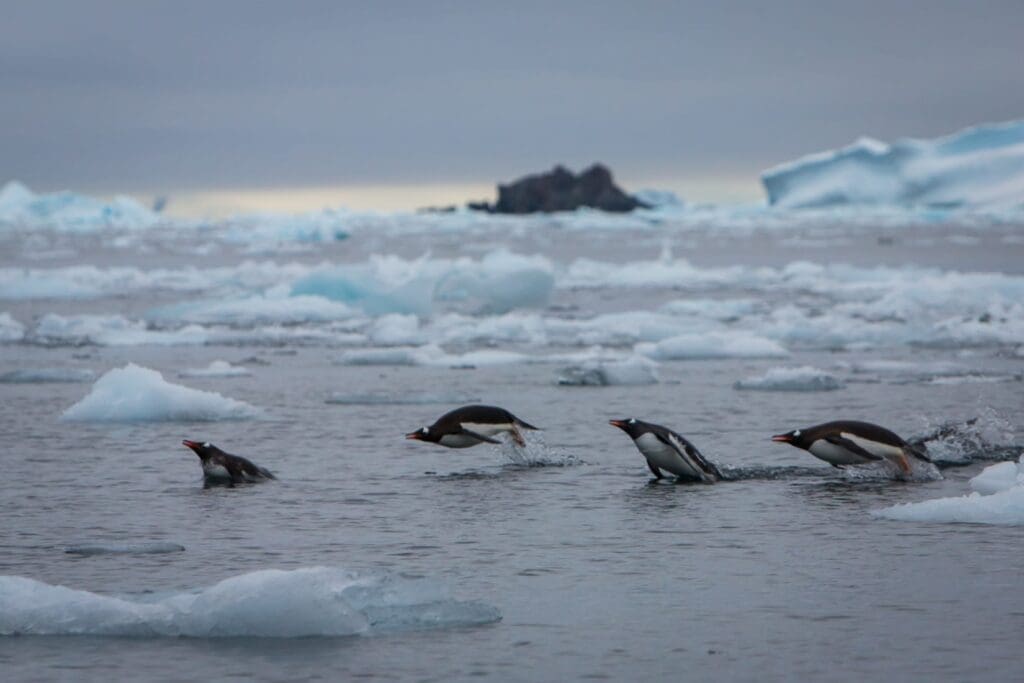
x: 220, y: 203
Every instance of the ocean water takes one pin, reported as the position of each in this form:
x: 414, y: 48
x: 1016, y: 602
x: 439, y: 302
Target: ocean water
x: 385, y: 559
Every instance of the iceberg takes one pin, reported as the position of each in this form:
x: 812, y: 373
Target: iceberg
x: 270, y: 603
x: 137, y: 394
x: 997, y: 498
x: 804, y: 378
x: 978, y: 166
x: 20, y: 207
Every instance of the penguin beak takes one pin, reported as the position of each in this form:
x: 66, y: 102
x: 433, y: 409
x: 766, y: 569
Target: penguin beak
x: 621, y: 424
x: 414, y: 435
x: 190, y: 444
x: 782, y: 438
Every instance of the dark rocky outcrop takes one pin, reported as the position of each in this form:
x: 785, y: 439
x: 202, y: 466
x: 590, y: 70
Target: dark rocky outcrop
x: 561, y: 190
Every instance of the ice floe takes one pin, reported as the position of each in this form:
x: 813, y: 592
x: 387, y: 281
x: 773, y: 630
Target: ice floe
x: 633, y: 371
x: 10, y: 329
x: 47, y: 376
x: 217, y: 368
x: 732, y: 344
x: 138, y: 394
x: 270, y: 603
x: 803, y: 378
x: 997, y: 498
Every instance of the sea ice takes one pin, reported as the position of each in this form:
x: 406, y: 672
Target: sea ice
x: 710, y: 345
x: 998, y: 498
x: 217, y: 368
x: 803, y: 378
x: 632, y: 371
x: 137, y: 394
x: 271, y: 603
x: 10, y: 329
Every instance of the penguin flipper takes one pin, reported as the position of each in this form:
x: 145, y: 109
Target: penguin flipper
x: 654, y: 470
x: 478, y: 436
x: 836, y: 440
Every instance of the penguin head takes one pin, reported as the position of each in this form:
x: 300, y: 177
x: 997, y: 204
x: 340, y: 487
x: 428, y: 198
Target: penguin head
x: 204, y: 450
x: 424, y: 434
x: 630, y: 425
x: 794, y: 438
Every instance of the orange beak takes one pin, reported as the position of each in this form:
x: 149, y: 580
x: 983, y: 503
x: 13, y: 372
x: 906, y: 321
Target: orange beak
x: 782, y: 438
x: 414, y: 435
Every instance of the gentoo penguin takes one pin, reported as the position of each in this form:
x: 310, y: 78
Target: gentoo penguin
x: 471, y: 425
x: 849, y: 442
x: 220, y: 467
x: 666, y: 450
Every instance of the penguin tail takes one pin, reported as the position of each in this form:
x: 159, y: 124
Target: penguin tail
x: 526, y: 425
x: 919, y: 451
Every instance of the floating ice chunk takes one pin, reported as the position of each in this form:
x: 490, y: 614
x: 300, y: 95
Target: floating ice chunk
x: 271, y: 603
x: 47, y: 375
x: 69, y: 212
x: 803, y: 378
x: 138, y: 394
x: 109, y: 330
x: 632, y: 371
x: 217, y: 368
x: 255, y: 310
x: 396, y: 329
x: 709, y: 345
x: 998, y: 498
x: 10, y: 329
x: 155, y: 548
x: 660, y: 199
x: 983, y: 165
x: 398, y: 355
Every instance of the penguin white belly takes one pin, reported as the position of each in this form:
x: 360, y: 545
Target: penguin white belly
x: 882, y: 450
x: 486, y: 429
x: 664, y: 457
x: 836, y: 455
x: 459, y: 441
x: 216, y: 472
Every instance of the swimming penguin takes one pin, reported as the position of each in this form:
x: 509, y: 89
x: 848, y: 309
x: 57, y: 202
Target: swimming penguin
x: 666, y: 450
x: 220, y: 467
x: 849, y: 442
x: 471, y: 425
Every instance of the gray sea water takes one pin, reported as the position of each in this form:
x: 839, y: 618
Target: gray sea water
x: 779, y: 573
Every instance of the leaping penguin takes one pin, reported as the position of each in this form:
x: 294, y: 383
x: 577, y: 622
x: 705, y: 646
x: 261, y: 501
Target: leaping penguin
x: 472, y: 425
x: 850, y: 442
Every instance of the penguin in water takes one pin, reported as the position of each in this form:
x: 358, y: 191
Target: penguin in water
x: 472, y: 425
x: 665, y: 450
x: 223, y: 468
x: 850, y: 442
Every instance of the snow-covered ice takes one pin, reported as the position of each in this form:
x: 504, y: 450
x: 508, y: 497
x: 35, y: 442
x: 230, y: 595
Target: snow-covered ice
x: 734, y: 344
x: 20, y: 207
x: 631, y: 371
x: 137, y: 394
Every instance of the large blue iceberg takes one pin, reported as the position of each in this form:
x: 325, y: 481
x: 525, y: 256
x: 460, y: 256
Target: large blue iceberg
x: 20, y: 207
x: 979, y: 166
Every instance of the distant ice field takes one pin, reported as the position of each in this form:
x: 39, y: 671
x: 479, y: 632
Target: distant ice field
x: 312, y: 344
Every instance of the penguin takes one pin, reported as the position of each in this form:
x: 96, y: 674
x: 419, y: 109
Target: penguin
x: 850, y: 442
x: 220, y: 467
x: 666, y: 450
x: 472, y: 425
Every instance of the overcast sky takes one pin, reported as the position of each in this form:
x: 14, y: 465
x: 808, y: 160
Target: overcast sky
x: 171, y: 96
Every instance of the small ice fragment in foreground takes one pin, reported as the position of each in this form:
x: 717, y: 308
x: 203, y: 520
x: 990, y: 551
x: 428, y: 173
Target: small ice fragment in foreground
x: 217, y: 368
x: 804, y: 378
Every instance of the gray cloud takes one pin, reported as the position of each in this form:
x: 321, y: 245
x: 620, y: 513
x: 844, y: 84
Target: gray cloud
x: 150, y: 95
